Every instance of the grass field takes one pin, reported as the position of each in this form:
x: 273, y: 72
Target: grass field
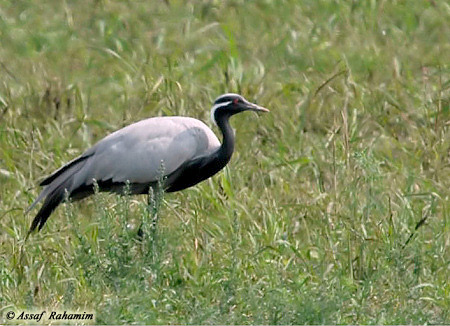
x: 335, y: 207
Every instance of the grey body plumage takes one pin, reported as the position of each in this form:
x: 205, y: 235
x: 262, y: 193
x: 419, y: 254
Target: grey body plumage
x: 185, y: 148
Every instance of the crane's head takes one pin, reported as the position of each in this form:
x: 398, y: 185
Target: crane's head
x: 229, y: 104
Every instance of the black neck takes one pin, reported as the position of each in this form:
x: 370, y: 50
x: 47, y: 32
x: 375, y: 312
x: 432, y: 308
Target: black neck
x: 226, y: 149
x: 204, y: 167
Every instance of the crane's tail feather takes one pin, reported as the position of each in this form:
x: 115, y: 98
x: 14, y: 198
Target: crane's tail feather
x: 38, y: 199
x: 54, y: 193
x: 65, y: 168
x: 51, y: 202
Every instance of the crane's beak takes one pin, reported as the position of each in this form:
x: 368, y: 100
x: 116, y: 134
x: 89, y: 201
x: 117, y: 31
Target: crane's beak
x: 254, y: 107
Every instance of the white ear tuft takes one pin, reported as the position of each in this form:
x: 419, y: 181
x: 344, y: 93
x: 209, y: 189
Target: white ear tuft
x: 215, y: 107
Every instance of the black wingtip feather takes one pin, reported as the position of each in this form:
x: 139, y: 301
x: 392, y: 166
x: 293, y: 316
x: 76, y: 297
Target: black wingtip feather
x: 51, y: 202
x: 66, y: 167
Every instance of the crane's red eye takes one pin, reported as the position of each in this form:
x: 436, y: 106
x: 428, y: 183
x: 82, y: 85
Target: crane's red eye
x: 235, y: 101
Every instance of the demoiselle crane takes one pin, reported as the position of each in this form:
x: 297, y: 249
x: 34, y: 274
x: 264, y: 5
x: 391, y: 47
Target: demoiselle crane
x: 188, y: 150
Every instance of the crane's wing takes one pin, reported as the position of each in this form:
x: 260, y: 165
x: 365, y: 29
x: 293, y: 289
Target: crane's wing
x: 138, y: 153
